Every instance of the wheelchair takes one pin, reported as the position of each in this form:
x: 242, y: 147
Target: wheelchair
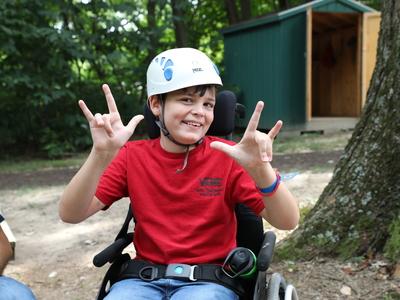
x: 250, y: 231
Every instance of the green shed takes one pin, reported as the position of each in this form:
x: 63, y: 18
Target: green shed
x: 313, y: 60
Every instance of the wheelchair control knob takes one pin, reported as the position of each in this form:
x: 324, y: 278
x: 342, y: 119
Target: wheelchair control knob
x: 240, y: 262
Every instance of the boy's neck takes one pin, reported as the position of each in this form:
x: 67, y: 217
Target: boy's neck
x: 171, y: 147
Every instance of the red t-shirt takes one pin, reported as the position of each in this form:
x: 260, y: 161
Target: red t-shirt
x: 185, y: 217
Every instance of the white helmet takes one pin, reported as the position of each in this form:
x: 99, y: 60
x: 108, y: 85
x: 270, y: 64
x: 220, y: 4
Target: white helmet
x: 179, y: 68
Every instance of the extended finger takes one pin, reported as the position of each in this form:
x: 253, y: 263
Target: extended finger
x: 255, y: 118
x: 112, y: 107
x: 275, y: 130
x: 222, y: 147
x: 88, y: 114
x: 134, y: 122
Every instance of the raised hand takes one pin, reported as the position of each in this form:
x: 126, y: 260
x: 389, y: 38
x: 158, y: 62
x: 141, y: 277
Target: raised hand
x: 107, y: 130
x: 255, y: 147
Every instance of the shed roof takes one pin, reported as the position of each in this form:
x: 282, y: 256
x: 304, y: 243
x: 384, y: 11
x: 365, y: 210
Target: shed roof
x: 351, y: 4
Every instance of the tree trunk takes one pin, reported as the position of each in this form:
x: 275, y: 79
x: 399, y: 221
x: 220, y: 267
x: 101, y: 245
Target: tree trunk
x: 151, y: 20
x: 231, y: 10
x: 283, y: 4
x: 358, y: 213
x: 245, y: 9
x: 178, y: 14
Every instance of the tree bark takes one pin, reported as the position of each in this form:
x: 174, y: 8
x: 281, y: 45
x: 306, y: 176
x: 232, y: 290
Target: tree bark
x: 178, y: 14
x: 283, y: 4
x: 358, y: 212
x: 231, y: 10
x: 151, y: 20
x: 245, y: 9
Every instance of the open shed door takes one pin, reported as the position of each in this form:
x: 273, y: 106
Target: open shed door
x: 336, y: 64
x: 371, y: 23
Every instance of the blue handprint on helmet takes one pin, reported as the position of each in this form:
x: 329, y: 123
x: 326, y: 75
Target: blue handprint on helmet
x: 166, y: 67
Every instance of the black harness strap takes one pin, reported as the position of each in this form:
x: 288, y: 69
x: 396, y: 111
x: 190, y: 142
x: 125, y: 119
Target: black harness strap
x: 203, y: 272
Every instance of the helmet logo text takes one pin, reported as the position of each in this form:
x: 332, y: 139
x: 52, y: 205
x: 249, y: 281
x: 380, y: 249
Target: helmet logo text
x: 196, y: 67
x: 197, y: 70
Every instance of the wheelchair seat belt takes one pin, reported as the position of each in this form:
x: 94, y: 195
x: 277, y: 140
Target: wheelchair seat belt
x: 203, y: 272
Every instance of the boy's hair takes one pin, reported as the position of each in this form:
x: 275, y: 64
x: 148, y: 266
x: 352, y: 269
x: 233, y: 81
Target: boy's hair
x: 199, y: 89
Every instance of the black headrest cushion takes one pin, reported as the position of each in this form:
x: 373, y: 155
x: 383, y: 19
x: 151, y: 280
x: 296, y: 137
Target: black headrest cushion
x: 224, y: 116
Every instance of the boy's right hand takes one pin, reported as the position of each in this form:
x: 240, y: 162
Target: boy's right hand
x: 108, y: 132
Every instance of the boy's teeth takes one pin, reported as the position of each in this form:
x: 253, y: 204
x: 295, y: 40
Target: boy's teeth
x: 193, y: 124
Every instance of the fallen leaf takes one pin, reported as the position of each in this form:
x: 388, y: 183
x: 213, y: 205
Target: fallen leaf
x: 348, y: 270
x: 53, y: 274
x: 345, y: 290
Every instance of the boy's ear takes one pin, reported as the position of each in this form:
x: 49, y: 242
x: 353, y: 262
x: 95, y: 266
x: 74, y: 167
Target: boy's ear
x: 155, y: 105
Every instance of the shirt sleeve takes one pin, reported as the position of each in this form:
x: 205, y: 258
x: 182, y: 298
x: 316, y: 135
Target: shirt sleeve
x: 113, y: 182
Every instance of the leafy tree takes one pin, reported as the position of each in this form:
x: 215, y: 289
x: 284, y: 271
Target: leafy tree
x: 54, y: 52
x: 34, y: 71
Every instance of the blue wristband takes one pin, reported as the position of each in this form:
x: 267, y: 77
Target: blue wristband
x: 270, y: 189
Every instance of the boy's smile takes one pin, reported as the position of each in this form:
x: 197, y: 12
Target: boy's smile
x: 192, y: 123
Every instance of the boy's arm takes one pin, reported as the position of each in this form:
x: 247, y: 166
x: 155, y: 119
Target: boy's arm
x: 6, y: 251
x: 78, y: 201
x: 282, y: 209
x: 254, y: 154
x: 108, y: 134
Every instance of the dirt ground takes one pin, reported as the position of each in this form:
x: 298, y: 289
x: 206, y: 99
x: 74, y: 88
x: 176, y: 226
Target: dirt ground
x: 55, y: 259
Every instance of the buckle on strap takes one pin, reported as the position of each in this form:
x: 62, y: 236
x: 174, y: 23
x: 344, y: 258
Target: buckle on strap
x: 144, y: 275
x: 181, y: 271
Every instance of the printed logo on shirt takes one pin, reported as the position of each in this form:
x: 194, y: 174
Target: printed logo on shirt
x: 210, y: 187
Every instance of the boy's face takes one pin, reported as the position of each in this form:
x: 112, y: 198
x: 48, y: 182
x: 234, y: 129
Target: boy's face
x: 187, y: 115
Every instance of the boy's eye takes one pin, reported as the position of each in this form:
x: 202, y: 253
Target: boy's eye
x: 209, y: 105
x: 187, y: 100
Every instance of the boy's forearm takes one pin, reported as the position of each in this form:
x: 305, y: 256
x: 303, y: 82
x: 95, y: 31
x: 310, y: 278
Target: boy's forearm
x: 5, y: 251
x: 78, y: 196
x: 282, y: 209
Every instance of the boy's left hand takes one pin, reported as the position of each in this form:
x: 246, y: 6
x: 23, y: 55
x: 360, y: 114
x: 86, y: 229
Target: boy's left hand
x: 255, y: 147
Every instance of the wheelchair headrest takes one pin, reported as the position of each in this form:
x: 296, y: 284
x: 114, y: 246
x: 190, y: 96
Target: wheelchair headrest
x: 224, y: 116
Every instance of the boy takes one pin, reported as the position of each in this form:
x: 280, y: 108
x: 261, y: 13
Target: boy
x: 177, y: 219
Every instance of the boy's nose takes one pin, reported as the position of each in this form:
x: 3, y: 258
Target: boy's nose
x: 198, y: 109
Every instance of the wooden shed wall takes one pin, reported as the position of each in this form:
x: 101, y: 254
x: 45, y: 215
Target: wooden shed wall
x: 267, y: 63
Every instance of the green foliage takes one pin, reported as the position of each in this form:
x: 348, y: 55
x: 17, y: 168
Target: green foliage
x: 53, y: 53
x: 391, y: 295
x: 311, y: 142
x: 392, y: 246
x: 376, y: 4
x: 24, y: 164
x: 289, y: 251
x: 304, y: 212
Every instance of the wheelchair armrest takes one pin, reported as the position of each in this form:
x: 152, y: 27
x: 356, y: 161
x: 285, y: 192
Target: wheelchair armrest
x: 111, y: 252
x: 266, y: 252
